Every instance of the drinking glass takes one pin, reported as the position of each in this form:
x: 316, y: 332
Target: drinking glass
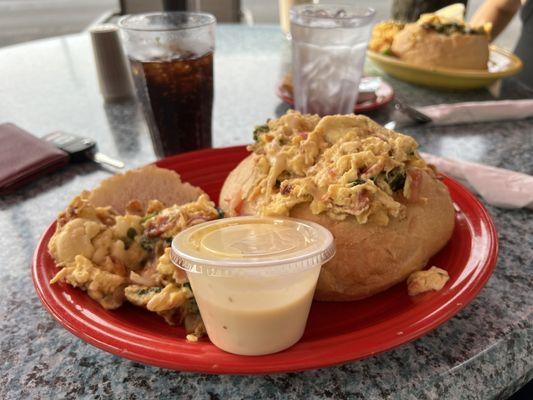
x: 171, y: 57
x: 328, y: 53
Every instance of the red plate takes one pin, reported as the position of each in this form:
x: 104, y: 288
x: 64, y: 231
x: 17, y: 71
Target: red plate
x: 384, y: 94
x: 336, y: 332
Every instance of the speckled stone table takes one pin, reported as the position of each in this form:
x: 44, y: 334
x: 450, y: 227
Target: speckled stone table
x: 485, y: 352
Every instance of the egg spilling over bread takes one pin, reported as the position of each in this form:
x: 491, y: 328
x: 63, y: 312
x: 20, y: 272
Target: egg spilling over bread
x: 441, y: 39
x: 387, y: 209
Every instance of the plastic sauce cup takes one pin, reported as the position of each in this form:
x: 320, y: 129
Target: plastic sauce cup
x: 253, y: 278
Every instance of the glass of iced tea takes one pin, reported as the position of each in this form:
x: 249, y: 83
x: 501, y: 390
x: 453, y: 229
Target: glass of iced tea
x: 171, y: 57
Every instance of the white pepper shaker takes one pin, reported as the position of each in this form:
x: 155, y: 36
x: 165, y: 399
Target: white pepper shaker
x: 114, y: 76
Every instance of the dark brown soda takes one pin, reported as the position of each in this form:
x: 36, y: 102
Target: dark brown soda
x: 177, y: 98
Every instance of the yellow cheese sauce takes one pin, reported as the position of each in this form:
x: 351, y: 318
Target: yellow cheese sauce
x: 250, y: 317
x: 253, y: 279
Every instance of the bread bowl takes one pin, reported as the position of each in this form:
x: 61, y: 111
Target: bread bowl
x: 445, y: 45
x: 387, y: 209
x: 437, y: 40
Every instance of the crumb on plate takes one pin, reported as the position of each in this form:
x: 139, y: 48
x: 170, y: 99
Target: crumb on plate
x: 425, y: 281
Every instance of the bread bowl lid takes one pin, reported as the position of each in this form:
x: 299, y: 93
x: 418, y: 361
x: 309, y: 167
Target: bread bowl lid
x: 252, y: 245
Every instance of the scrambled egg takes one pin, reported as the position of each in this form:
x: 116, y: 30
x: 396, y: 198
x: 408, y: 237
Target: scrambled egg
x: 104, y: 287
x: 342, y: 165
x: 115, y: 258
x: 383, y: 36
x: 425, y: 281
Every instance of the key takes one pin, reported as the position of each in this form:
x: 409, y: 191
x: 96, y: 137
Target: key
x: 80, y: 149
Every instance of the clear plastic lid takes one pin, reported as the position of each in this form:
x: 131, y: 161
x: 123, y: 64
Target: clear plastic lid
x: 252, y: 246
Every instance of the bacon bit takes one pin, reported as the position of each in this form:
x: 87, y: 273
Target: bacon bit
x: 286, y: 189
x: 416, y: 180
x: 332, y: 171
x: 69, y: 214
x: 105, y: 216
x: 374, y: 170
x: 134, y: 207
x: 362, y: 202
x: 118, y: 267
x: 61, y: 219
x: 238, y: 206
x: 235, y: 203
x: 157, y: 226
x: 154, y: 206
x: 303, y: 134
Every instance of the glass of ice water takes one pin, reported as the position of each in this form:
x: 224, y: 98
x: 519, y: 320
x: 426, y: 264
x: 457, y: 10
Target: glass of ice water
x: 328, y: 54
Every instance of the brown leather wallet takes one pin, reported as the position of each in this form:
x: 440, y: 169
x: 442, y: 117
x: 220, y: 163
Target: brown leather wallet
x: 24, y: 157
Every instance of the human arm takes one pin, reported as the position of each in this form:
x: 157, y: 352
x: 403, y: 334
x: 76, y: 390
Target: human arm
x: 497, y: 12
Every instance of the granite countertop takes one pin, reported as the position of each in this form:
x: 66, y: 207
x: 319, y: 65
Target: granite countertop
x: 484, y: 352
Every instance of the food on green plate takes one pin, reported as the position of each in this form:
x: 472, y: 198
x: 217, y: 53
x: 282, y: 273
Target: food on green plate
x: 388, y: 211
x: 114, y: 243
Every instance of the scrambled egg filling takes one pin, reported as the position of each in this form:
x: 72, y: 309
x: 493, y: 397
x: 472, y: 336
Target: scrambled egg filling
x: 383, y: 36
x: 424, y: 281
x: 115, y: 258
x: 342, y: 165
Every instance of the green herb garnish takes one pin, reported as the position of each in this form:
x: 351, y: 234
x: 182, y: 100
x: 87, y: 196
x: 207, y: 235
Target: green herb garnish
x: 260, y: 129
x: 220, y: 212
x: 146, y: 243
x: 282, y: 141
x: 131, y: 233
x: 192, y: 307
x: 396, y: 179
x: 145, y: 291
x: 148, y: 216
x: 357, y: 182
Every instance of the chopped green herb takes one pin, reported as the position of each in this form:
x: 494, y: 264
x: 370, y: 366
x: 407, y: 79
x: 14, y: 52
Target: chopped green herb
x: 453, y: 27
x: 127, y: 243
x: 356, y: 182
x: 396, y: 179
x: 220, y: 212
x: 147, y: 244
x: 283, y: 141
x: 131, y: 233
x: 148, y: 216
x: 192, y: 307
x: 187, y: 285
x: 260, y: 129
x: 145, y: 291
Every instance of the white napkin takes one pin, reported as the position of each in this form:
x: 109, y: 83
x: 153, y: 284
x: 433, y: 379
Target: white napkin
x: 477, y: 111
x: 499, y: 187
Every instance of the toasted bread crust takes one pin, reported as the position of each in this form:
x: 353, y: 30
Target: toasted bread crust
x: 370, y: 258
x: 143, y: 184
x: 418, y: 46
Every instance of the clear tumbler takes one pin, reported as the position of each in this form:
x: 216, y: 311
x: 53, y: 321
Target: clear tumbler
x: 171, y: 56
x: 328, y: 53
